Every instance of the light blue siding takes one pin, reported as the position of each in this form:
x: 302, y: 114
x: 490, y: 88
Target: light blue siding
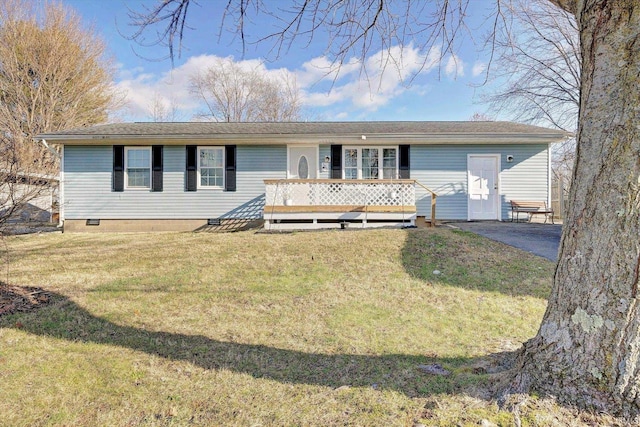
x: 443, y: 168
x: 87, y: 186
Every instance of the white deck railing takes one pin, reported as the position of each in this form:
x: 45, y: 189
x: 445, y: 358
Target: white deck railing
x: 337, y: 192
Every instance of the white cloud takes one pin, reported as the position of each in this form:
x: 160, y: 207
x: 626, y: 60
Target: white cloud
x: 321, y: 69
x: 364, y: 86
x: 454, y: 67
x: 478, y: 68
x: 354, y: 86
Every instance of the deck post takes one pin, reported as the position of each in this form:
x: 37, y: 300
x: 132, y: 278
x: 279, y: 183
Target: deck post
x: 433, y: 210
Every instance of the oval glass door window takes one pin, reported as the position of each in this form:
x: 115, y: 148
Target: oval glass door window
x: 303, y: 168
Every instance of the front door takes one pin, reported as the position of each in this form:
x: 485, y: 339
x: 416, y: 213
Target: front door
x: 303, y: 162
x: 484, y: 201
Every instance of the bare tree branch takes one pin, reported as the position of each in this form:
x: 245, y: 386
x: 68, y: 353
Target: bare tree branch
x: 235, y: 94
x: 171, y: 12
x: 353, y: 29
x: 540, y: 66
x: 570, y: 6
x: 538, y: 72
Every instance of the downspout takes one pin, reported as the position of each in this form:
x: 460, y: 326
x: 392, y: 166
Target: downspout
x: 60, y: 157
x: 549, y: 185
x: 48, y: 147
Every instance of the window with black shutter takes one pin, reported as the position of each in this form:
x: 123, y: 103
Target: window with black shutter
x: 230, y: 168
x: 404, y: 169
x: 192, y: 168
x: 118, y: 168
x: 336, y: 162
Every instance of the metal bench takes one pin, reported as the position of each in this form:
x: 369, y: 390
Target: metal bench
x: 530, y: 208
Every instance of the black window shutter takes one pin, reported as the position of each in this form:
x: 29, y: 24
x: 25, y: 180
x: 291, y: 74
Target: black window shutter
x: 404, y: 162
x: 156, y: 168
x: 118, y: 168
x: 192, y: 168
x: 230, y: 168
x: 336, y: 162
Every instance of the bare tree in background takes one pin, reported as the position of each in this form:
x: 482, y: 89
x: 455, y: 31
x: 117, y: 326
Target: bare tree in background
x: 233, y: 93
x: 53, y: 75
x: 480, y: 117
x: 538, y: 58
x: 537, y: 69
x: 163, y: 110
x: 587, y: 350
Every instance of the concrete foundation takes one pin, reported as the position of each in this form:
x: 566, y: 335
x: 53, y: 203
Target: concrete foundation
x: 155, y: 225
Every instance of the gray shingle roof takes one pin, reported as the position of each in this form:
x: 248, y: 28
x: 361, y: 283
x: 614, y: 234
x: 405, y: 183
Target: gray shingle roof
x: 204, y: 129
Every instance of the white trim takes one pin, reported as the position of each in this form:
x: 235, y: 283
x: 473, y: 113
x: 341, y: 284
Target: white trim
x: 209, y: 147
x: 61, y: 201
x: 499, y: 185
x: 549, y: 184
x: 288, y: 162
x: 293, y: 220
x: 498, y: 205
x: 380, y: 159
x: 126, y: 167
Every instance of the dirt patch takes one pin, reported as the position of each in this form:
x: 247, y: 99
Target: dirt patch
x: 14, y: 299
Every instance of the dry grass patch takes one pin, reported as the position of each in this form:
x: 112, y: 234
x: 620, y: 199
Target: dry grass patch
x: 323, y: 328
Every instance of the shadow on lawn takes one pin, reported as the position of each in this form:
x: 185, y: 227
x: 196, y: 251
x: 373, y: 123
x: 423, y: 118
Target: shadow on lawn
x: 63, y: 319
x: 466, y: 260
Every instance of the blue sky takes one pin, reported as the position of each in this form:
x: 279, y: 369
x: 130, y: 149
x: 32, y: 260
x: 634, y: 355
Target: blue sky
x: 444, y: 91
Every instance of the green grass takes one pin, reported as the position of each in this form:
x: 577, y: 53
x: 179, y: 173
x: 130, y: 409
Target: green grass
x: 322, y: 328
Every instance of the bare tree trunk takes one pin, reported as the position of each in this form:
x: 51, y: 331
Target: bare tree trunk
x: 587, y: 350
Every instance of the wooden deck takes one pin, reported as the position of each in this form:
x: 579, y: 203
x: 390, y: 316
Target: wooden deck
x: 327, y: 203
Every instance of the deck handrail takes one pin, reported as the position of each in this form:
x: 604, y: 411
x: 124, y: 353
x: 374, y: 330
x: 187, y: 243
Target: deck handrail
x: 434, y: 195
x: 433, y: 202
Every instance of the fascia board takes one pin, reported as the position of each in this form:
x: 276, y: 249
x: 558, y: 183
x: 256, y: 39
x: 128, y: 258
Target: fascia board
x: 271, y: 139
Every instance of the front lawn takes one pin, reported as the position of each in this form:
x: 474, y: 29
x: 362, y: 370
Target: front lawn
x: 311, y: 328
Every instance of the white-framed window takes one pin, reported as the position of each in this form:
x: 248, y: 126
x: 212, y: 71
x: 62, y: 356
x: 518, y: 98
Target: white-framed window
x: 390, y: 163
x: 210, y: 167
x: 370, y: 162
x: 351, y: 163
x: 137, y: 167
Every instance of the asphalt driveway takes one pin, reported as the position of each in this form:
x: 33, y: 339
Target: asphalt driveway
x: 539, y: 239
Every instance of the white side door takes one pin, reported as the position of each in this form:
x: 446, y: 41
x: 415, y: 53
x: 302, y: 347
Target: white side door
x: 303, y: 162
x: 484, y: 198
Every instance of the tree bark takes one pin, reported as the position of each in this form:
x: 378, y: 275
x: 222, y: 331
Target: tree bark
x: 587, y: 351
